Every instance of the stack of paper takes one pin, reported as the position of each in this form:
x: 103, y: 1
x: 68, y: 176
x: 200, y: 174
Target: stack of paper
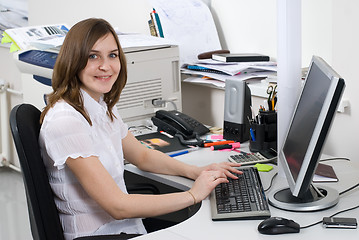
x: 216, y: 73
x: 41, y: 37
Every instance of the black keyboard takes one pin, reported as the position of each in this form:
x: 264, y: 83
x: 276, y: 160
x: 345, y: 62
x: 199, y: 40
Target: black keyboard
x: 241, y: 198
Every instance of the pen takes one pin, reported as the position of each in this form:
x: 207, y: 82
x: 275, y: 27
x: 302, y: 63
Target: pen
x: 252, y: 134
x: 217, y: 143
x: 174, y: 154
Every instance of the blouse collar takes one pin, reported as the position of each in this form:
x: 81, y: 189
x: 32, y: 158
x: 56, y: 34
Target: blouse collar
x: 93, y: 107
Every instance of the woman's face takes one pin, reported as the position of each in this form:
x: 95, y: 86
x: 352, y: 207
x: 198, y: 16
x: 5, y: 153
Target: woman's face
x: 102, y: 69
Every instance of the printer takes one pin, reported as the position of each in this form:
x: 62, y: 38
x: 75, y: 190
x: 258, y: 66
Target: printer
x: 153, y: 74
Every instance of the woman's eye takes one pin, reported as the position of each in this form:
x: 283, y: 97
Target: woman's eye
x: 92, y: 56
x: 113, y: 55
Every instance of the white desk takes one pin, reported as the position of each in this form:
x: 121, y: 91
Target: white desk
x: 201, y: 226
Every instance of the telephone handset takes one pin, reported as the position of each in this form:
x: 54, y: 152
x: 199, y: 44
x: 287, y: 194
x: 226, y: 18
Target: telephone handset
x: 174, y: 122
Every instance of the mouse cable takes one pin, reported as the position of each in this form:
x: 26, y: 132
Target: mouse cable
x: 345, y: 210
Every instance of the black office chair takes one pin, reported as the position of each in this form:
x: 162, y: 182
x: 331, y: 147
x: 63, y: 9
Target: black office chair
x: 43, y: 214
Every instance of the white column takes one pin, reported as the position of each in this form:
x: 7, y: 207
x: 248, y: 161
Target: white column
x: 289, y: 62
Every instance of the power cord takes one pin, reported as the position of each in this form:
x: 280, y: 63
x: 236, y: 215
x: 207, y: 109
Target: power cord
x: 159, y: 102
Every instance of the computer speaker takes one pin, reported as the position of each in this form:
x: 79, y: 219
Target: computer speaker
x: 237, y: 111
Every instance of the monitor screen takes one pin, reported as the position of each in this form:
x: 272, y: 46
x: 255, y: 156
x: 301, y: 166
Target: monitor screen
x: 309, y: 126
x: 305, y: 119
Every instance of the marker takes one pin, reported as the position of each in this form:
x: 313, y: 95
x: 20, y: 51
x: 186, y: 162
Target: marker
x: 217, y: 143
x: 230, y: 146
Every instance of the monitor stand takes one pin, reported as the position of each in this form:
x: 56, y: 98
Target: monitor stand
x: 313, y: 201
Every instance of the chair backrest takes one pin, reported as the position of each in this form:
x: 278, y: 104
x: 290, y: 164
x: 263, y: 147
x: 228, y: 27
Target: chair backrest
x: 43, y: 214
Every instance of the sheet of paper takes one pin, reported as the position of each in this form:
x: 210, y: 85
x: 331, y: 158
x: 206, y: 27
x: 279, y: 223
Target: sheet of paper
x: 237, y: 68
x: 199, y: 80
x: 48, y: 34
x: 224, y: 77
x: 141, y: 40
x: 190, y: 24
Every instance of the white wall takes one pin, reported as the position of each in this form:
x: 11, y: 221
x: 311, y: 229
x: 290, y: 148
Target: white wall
x: 126, y: 15
x: 251, y: 26
x: 345, y: 133
x: 247, y: 25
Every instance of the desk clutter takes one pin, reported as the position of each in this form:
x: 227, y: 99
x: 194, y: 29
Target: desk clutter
x: 214, y: 72
x: 202, y: 58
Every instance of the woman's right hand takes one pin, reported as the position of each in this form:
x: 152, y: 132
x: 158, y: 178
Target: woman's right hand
x: 206, y: 182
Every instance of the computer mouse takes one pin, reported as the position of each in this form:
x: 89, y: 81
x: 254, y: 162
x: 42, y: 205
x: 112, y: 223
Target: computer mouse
x: 278, y: 225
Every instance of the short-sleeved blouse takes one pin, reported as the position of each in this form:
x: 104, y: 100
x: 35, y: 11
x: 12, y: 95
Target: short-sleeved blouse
x: 66, y: 133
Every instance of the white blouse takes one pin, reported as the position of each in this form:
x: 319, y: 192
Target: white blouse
x: 66, y: 133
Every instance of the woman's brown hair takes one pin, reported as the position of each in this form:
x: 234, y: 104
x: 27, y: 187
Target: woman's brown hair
x: 72, y: 59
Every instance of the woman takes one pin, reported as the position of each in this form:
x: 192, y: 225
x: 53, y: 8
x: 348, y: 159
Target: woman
x: 84, y: 143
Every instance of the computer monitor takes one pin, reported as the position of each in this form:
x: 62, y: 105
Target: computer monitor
x: 306, y: 134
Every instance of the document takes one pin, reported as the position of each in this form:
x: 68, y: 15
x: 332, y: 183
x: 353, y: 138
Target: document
x: 190, y: 24
x: 325, y: 173
x: 41, y: 37
x: 209, y: 70
x: 134, y: 41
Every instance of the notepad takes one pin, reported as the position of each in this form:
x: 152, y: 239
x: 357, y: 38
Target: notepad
x: 325, y: 173
x: 240, y: 57
x: 162, y: 142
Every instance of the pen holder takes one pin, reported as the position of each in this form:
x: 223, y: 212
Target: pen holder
x: 263, y: 132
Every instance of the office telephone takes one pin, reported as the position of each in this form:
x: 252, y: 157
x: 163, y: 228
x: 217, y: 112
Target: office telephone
x: 174, y: 122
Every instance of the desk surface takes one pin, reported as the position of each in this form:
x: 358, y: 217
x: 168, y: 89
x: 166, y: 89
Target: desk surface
x: 201, y: 226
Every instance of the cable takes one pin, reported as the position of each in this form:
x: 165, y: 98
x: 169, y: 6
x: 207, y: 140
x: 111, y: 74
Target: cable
x: 345, y: 210
x: 173, y: 103
x: 330, y: 159
x: 349, y: 189
x: 197, y: 142
x: 311, y: 225
x: 346, y: 159
x: 271, y: 182
x: 160, y: 102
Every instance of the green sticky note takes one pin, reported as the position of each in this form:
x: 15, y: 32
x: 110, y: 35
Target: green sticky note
x: 263, y: 167
x: 5, y: 38
x: 14, y: 48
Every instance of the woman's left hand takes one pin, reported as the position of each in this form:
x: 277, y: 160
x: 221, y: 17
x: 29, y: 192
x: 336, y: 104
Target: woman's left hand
x: 228, y: 168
